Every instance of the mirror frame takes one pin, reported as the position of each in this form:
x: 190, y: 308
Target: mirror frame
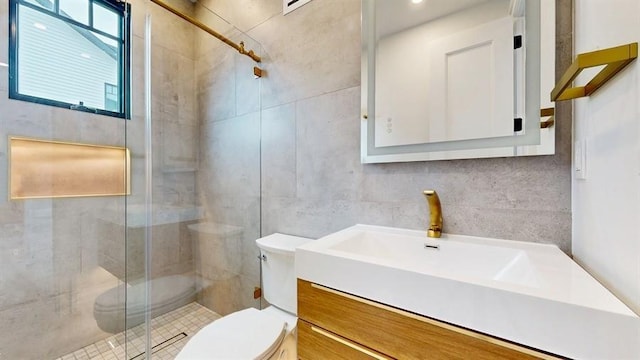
x: 539, y: 74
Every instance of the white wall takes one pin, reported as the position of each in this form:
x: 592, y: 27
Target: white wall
x: 606, y: 205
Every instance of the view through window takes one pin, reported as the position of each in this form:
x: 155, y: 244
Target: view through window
x: 70, y: 53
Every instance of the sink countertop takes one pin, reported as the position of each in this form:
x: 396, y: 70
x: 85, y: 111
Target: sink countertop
x: 529, y: 293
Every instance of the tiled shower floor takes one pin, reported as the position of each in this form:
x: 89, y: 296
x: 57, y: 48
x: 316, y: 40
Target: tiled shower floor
x: 167, y: 337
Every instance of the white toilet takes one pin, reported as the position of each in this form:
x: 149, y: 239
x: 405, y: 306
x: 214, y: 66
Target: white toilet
x: 252, y: 333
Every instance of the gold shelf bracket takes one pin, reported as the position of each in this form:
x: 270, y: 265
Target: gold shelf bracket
x: 615, y: 59
x: 550, y: 112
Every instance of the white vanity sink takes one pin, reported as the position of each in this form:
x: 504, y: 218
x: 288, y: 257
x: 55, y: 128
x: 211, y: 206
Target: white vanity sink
x: 456, y: 256
x: 532, y: 294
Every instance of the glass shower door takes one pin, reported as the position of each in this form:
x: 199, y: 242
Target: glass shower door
x: 194, y: 212
x: 61, y: 245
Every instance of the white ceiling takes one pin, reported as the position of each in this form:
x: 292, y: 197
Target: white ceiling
x: 405, y: 14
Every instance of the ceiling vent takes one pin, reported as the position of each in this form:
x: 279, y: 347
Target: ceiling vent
x: 290, y: 5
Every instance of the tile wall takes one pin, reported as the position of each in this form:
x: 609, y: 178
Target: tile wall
x: 289, y: 141
x: 312, y: 180
x: 57, y: 256
x: 228, y: 179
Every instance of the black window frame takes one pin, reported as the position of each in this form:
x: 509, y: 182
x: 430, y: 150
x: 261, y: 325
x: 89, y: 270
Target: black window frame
x: 124, y: 53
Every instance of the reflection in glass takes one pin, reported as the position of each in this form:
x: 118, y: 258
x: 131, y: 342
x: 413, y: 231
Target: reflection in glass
x: 77, y: 10
x: 46, y: 4
x: 435, y: 87
x: 105, y: 20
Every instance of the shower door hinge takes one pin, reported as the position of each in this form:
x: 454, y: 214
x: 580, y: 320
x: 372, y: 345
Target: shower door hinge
x: 257, y: 72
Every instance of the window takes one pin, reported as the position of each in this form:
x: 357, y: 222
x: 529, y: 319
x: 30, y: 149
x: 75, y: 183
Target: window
x: 111, y: 97
x: 71, y: 54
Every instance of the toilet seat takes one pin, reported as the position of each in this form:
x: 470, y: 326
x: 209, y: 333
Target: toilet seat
x: 246, y: 334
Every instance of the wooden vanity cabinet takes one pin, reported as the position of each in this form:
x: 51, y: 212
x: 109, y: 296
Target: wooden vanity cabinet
x: 336, y: 325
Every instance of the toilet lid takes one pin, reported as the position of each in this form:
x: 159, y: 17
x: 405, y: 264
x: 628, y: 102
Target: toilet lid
x: 281, y: 243
x: 246, y: 334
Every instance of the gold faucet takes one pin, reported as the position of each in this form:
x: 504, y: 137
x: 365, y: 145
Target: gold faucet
x: 435, y: 214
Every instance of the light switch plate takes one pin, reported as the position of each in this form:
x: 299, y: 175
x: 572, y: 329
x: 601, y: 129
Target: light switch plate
x: 580, y: 159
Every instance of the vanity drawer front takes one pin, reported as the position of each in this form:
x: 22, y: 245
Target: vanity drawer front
x: 398, y: 333
x: 315, y: 344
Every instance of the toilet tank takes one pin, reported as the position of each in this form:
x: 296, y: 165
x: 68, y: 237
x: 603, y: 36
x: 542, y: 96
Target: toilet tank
x: 278, y: 271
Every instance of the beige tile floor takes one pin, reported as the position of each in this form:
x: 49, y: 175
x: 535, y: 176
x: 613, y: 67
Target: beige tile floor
x: 166, y: 337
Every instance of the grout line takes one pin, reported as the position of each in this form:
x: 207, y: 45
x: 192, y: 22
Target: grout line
x: 311, y: 97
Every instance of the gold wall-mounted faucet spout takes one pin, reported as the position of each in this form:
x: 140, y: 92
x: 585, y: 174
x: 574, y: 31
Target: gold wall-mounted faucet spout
x: 435, y: 214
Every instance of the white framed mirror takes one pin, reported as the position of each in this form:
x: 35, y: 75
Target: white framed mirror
x: 456, y: 79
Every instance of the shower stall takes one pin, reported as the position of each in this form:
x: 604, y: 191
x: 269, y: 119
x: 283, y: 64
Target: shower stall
x: 126, y: 257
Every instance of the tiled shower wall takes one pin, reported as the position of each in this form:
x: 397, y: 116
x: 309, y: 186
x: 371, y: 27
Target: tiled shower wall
x: 58, y: 255
x: 50, y: 273
x: 227, y: 264
x: 312, y: 180
x: 174, y: 141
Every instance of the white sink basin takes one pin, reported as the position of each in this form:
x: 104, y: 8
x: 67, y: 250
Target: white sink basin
x: 532, y: 294
x: 447, y: 256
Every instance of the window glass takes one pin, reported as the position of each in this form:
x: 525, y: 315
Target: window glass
x: 46, y: 4
x: 105, y: 20
x: 77, y: 10
x: 111, y: 101
x: 73, y: 58
x: 108, y: 45
x: 62, y: 62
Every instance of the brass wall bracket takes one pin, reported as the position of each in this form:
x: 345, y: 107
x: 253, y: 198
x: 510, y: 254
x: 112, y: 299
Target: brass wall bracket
x: 615, y: 59
x: 224, y: 39
x: 550, y: 112
x: 257, y: 292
